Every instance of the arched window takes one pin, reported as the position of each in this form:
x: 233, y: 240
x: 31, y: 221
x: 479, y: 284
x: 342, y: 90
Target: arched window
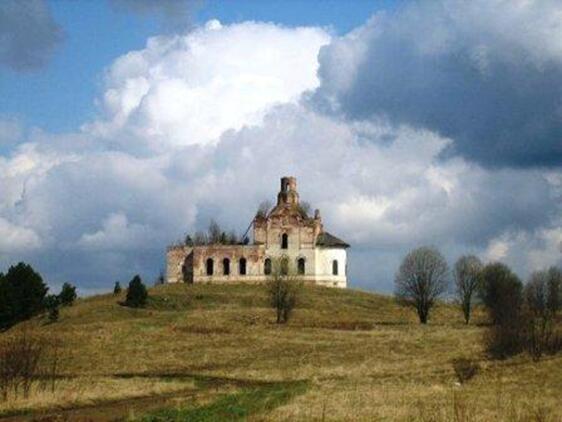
x: 267, y: 266
x: 226, y: 266
x: 284, y: 266
x: 285, y: 241
x: 210, y: 266
x: 335, y: 267
x: 300, y: 266
x: 242, y: 266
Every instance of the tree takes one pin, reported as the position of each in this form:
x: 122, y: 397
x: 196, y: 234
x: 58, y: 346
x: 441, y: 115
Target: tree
x: 501, y: 292
x: 52, y: 303
x: 6, y: 312
x: 421, y: 279
x: 117, y: 288
x: 67, y: 295
x: 214, y: 232
x: 263, y: 209
x: 136, y: 293
x: 283, y: 290
x: 554, y: 287
x: 542, y: 297
x: 467, y: 277
x: 26, y: 290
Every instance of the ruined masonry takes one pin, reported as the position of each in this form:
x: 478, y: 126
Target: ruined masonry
x: 286, y: 235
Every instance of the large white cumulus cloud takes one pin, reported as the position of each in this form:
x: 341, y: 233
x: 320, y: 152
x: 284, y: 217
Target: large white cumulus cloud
x: 485, y: 73
x: 188, y: 89
x: 202, y: 126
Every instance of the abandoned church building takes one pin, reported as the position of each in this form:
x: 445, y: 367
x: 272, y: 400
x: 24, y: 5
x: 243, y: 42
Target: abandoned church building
x: 285, y: 234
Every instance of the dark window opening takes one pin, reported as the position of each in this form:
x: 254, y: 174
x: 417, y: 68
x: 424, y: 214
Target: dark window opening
x: 335, y: 267
x: 285, y: 241
x: 300, y: 266
x: 267, y: 266
x: 242, y: 266
x: 210, y: 266
x: 226, y: 266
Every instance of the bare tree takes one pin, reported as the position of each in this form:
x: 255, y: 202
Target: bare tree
x: 554, y: 287
x: 421, y: 279
x: 283, y: 289
x: 263, y: 209
x: 467, y: 277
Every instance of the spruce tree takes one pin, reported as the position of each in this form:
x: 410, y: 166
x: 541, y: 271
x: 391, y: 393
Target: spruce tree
x: 136, y: 293
x: 67, y: 295
x: 26, y: 290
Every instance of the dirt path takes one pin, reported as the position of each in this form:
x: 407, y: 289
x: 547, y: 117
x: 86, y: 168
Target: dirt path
x: 116, y: 410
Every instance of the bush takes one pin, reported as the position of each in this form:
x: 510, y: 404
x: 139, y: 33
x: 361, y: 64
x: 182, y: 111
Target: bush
x: 67, y: 295
x: 52, y: 303
x: 501, y: 292
x: 465, y: 369
x: 26, y: 357
x: 117, y: 288
x: 136, y: 293
x: 283, y: 290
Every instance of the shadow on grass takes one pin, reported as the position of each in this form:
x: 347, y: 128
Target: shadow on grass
x: 236, y: 406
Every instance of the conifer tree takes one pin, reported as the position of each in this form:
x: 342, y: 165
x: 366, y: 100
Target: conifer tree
x: 136, y: 293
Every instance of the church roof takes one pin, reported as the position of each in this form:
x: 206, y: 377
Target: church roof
x: 329, y: 240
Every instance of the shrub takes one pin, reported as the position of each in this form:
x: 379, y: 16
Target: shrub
x: 283, y: 289
x: 26, y: 357
x: 52, y: 303
x: 117, y: 288
x: 136, y: 293
x: 421, y: 279
x: 465, y: 369
x: 67, y: 295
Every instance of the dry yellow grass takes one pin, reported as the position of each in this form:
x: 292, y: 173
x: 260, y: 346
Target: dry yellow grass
x: 363, y: 357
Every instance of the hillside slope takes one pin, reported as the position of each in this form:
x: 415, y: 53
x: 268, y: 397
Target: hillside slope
x: 208, y: 352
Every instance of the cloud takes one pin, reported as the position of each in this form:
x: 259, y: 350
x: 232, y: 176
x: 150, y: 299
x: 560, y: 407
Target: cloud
x: 202, y: 126
x: 28, y: 34
x: 117, y: 234
x: 484, y: 73
x: 189, y: 89
x: 15, y: 238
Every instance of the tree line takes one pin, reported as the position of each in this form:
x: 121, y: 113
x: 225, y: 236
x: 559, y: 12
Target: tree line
x: 522, y: 317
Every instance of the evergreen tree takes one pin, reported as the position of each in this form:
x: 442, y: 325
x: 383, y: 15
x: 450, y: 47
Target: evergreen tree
x: 136, y: 293
x: 6, y: 312
x: 67, y: 295
x: 117, y: 288
x: 26, y: 291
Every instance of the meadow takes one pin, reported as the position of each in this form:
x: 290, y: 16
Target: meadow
x: 210, y: 352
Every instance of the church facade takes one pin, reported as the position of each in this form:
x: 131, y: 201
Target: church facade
x: 285, y: 235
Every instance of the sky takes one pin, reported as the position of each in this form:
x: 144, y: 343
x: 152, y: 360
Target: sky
x: 125, y: 124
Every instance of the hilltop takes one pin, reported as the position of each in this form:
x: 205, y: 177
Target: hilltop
x: 208, y: 351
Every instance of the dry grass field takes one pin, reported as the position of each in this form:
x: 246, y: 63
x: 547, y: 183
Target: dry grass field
x: 212, y: 352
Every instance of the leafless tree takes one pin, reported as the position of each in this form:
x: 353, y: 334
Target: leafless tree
x: 467, y: 277
x: 263, y: 208
x: 421, y: 279
x: 283, y: 289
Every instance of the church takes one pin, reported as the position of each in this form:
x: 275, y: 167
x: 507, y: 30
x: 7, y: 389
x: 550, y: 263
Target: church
x: 285, y: 234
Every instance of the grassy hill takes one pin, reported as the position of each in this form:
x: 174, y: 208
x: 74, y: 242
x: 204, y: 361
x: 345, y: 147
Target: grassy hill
x: 210, y: 352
